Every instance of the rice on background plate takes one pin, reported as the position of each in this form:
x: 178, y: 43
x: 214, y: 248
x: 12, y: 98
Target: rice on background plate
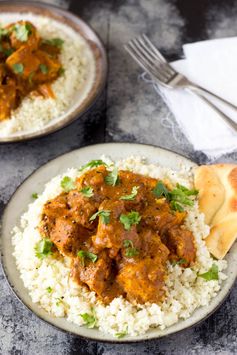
x: 49, y: 284
x: 76, y: 58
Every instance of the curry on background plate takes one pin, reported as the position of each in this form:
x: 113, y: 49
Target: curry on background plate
x: 28, y: 64
x: 52, y: 67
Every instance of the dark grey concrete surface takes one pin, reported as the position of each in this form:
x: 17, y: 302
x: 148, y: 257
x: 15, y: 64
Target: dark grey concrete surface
x: 129, y: 110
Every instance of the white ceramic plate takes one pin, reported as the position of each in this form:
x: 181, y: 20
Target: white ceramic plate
x: 22, y: 197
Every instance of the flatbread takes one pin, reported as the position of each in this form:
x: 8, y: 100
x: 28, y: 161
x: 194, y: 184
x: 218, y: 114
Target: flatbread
x: 217, y: 185
x: 211, y: 191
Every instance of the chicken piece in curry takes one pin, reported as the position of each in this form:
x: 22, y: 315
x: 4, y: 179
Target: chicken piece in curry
x: 28, y: 64
x: 120, y: 229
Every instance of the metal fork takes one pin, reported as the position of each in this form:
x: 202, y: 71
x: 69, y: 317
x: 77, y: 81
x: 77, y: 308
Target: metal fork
x: 149, y: 58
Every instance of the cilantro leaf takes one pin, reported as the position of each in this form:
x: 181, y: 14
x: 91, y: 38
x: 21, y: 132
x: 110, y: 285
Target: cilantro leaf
x: 43, y: 248
x: 92, y: 164
x: 187, y: 192
x: 87, y: 191
x: 132, y: 195
x: 8, y: 51
x: 160, y: 190
x: 56, y: 42
x: 61, y: 71
x: 89, y: 319
x: 34, y: 195
x: 112, y: 177
x: 22, y: 32
x: 49, y: 289
x: 59, y: 301
x: 104, y: 214
x: 130, y: 250
x: 67, y: 184
x: 129, y: 219
x: 31, y: 77
x: 18, y: 68
x: 211, y: 274
x: 178, y: 197
x: 180, y: 262
x: 43, y: 68
x: 176, y: 206
x: 121, y: 334
x: 86, y: 254
x: 4, y: 32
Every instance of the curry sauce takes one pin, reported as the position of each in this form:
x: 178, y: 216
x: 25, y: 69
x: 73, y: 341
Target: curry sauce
x: 119, y: 233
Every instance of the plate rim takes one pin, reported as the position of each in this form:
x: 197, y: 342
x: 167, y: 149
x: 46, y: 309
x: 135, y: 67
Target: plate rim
x: 74, y: 115
x: 86, y: 337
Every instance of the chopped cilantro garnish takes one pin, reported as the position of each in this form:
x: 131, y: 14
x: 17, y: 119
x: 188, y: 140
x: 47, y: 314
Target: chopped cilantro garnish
x: 211, y: 274
x: 160, y: 190
x: 3, y: 32
x: 49, y: 289
x: 179, y: 262
x: 177, y: 197
x: 6, y: 51
x: 180, y: 196
x: 61, y: 71
x: 89, y: 319
x: 132, y: 195
x: 43, y: 248
x: 130, y: 250
x: 22, y: 32
x: 87, y: 191
x: 59, y: 301
x: 121, y: 334
x: 129, y: 219
x: 56, y: 42
x: 18, y: 68
x: 43, y: 68
x: 187, y: 192
x: 34, y: 195
x: 31, y: 77
x: 176, y: 206
x: 67, y: 184
x: 104, y: 214
x: 93, y: 164
x: 87, y: 255
x: 112, y: 177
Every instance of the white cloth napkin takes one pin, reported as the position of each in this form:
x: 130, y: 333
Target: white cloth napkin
x: 211, y: 64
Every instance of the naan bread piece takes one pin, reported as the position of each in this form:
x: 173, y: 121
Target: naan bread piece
x: 211, y: 191
x: 218, y: 201
x: 222, y: 236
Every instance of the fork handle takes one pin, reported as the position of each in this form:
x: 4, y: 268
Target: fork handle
x: 200, y: 90
x: 231, y: 123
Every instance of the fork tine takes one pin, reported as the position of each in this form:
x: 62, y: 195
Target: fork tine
x: 142, y: 62
x: 153, y: 58
x: 143, y: 54
x: 144, y: 65
x: 158, y: 53
x: 150, y: 44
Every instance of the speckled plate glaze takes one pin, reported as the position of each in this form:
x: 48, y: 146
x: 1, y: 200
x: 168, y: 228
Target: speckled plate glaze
x: 99, y: 54
x: 22, y: 197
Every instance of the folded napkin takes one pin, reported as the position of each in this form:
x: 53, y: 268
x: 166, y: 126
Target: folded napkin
x: 211, y: 64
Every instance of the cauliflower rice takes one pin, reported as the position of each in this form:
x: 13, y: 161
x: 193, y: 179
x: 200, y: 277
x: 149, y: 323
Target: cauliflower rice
x: 77, y: 59
x: 185, y: 290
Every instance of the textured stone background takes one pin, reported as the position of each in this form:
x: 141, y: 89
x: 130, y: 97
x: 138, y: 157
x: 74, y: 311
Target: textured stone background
x: 129, y: 110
